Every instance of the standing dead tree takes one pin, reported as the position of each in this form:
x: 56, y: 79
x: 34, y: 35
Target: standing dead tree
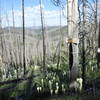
x: 83, y: 45
x: 60, y: 42
x: 87, y: 35
x: 98, y: 52
x: 72, y: 40
x: 24, y: 60
x: 43, y: 34
x: 1, y: 33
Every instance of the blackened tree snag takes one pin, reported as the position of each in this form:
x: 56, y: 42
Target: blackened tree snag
x: 83, y: 46
x: 83, y: 63
x: 24, y: 64
x: 43, y: 35
x: 72, y: 13
x: 98, y: 52
x: 70, y: 56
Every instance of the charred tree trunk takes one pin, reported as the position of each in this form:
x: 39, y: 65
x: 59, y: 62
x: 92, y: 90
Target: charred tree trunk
x: 83, y: 63
x: 70, y: 56
x: 2, y: 48
x: 43, y: 35
x: 83, y: 45
x: 1, y: 34
x: 60, y: 42
x: 95, y: 31
x: 73, y: 37
x: 98, y: 52
x: 13, y: 17
x: 24, y: 64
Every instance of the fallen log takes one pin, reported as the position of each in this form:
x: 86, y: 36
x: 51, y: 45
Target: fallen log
x: 16, y: 80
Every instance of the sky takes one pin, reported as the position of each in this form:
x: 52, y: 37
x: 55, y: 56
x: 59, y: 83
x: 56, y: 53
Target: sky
x: 32, y: 13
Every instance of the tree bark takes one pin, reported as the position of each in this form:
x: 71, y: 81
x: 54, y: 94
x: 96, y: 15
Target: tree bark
x: 43, y: 35
x: 83, y: 45
x: 24, y: 64
x: 98, y: 52
x: 73, y: 37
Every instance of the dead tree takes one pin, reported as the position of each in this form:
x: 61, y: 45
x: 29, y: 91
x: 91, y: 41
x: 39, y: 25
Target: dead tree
x: 87, y: 33
x: 83, y: 46
x: 60, y: 41
x: 72, y: 40
x: 1, y: 33
x: 96, y: 25
x: 43, y: 35
x: 95, y: 30
x: 98, y: 52
x: 24, y: 64
x: 13, y: 16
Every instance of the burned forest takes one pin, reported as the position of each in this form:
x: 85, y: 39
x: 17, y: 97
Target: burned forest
x: 49, y: 49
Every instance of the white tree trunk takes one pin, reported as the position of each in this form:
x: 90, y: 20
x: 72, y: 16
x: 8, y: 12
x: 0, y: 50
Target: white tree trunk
x: 72, y: 9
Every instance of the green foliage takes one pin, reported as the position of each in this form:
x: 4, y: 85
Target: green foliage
x: 93, y: 74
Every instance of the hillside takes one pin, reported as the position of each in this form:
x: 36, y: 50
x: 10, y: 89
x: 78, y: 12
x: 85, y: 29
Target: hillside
x: 12, y: 42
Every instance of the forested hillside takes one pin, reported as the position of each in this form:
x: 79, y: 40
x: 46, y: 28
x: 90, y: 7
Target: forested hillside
x: 49, y: 50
